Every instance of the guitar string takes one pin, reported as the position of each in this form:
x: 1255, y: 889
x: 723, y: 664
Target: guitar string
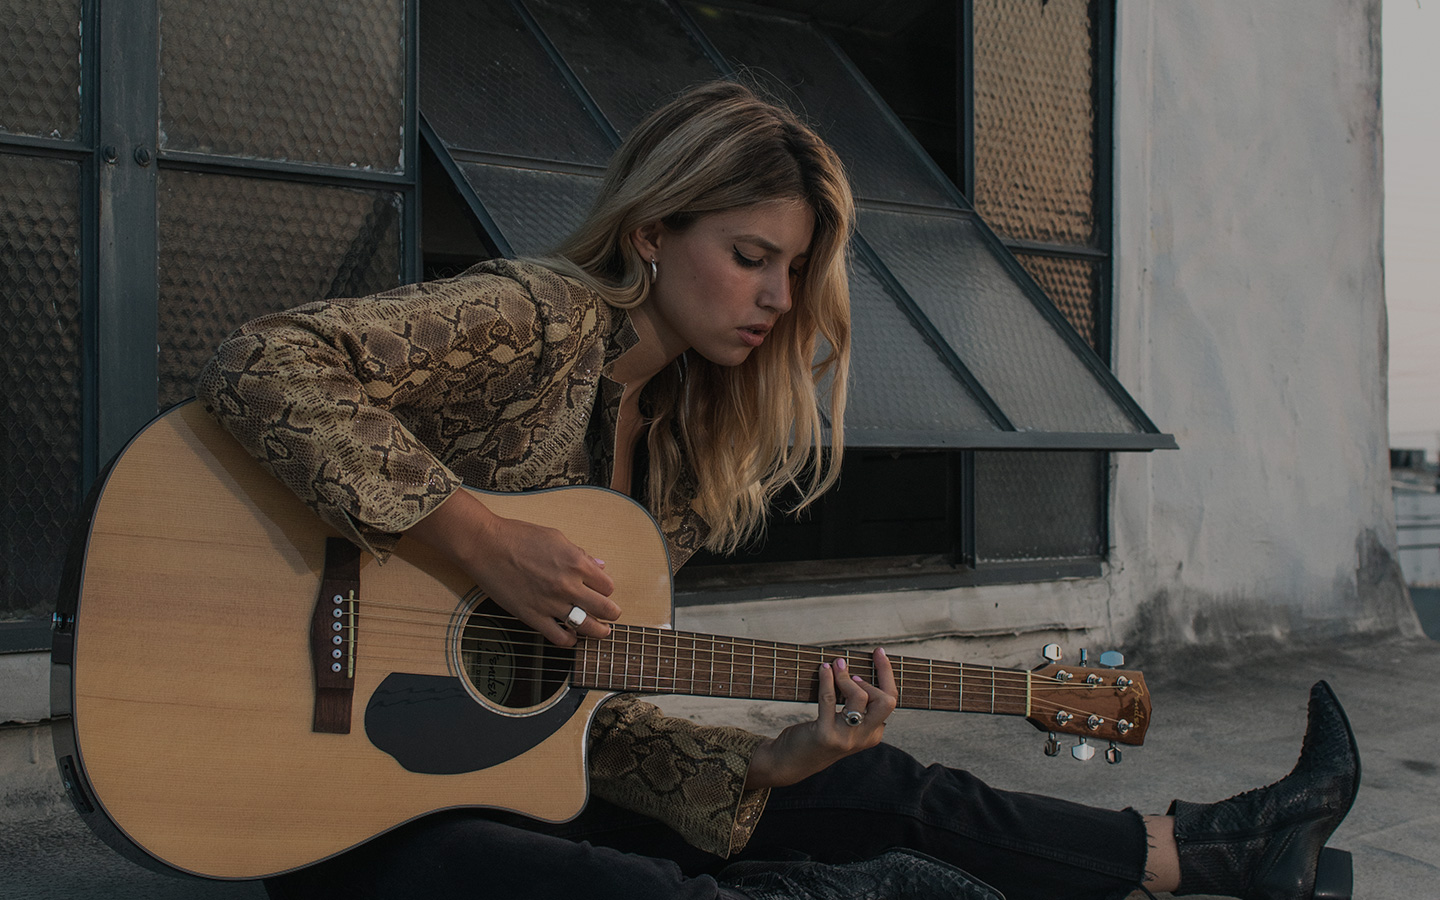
x: 660, y: 633
x: 737, y: 649
x: 664, y: 633
x: 761, y: 652
x: 999, y: 702
x: 1006, y: 687
x: 651, y: 630
x: 1008, y: 696
x: 739, y: 652
x: 1016, y: 691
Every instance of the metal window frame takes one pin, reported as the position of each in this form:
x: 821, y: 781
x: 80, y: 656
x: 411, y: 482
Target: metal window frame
x: 1102, y: 253
x: 125, y: 290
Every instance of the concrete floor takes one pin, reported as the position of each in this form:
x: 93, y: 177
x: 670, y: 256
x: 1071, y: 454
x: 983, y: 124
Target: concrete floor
x: 1221, y: 725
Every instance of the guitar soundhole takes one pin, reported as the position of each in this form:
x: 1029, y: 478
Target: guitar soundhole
x: 507, y: 663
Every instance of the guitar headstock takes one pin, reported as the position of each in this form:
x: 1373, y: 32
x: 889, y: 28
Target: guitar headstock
x: 1103, y: 704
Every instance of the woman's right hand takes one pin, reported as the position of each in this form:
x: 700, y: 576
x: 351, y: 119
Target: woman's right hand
x: 533, y: 571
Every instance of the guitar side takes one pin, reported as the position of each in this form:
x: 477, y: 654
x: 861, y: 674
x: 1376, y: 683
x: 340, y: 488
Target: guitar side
x: 190, y: 682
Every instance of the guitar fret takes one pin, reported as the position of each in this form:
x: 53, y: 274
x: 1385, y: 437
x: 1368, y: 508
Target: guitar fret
x: 611, y: 681
x: 775, y: 670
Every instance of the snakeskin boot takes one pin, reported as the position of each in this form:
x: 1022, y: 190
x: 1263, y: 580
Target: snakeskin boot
x: 893, y: 875
x: 1269, y: 843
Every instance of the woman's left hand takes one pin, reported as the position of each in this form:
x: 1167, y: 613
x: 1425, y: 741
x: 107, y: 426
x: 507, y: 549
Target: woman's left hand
x: 802, y: 750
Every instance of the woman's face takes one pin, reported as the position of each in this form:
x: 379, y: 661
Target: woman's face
x: 726, y: 279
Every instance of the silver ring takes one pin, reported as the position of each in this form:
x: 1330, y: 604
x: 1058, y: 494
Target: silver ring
x: 853, y: 717
x: 576, y: 616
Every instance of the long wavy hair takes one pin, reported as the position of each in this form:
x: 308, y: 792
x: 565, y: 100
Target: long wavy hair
x: 746, y: 431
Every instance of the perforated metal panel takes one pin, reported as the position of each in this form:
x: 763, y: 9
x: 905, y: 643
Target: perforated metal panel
x: 1039, y: 505
x: 1035, y: 118
x: 269, y: 79
x: 40, y: 67
x: 234, y: 248
x: 631, y: 55
x: 40, y: 355
x: 1074, y: 286
x: 1039, y: 382
x: 882, y: 164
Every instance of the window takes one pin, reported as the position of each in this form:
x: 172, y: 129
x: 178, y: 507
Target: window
x: 283, y: 173
x: 956, y: 349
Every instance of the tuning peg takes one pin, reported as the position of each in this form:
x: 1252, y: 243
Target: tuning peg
x: 1052, y: 652
x: 1084, y: 657
x: 1112, y: 756
x: 1052, y: 745
x: 1083, y: 751
x: 1112, y: 659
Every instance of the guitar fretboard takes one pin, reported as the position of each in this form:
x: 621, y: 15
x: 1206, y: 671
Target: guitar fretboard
x: 660, y: 661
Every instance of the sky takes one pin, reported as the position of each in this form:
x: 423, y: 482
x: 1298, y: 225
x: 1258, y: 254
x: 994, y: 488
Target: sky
x: 1411, y: 109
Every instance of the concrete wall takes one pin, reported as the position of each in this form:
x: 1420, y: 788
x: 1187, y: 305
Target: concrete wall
x: 1250, y: 319
x: 1250, y: 322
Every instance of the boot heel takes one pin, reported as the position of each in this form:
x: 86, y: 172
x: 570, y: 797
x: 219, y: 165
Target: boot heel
x: 1334, y: 875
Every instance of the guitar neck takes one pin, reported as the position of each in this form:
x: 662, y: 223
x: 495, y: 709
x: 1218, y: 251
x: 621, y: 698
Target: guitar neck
x: 660, y: 661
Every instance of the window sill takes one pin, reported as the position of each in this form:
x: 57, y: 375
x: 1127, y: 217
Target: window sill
x: 707, y: 585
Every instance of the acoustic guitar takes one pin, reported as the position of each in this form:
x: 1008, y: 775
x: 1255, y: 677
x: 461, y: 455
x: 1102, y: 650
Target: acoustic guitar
x: 249, y: 694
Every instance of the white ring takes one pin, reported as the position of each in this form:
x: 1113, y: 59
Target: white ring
x: 576, y: 617
x: 853, y: 717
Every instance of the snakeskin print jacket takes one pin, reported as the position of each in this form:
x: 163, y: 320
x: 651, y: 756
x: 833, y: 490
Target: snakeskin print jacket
x: 375, y: 410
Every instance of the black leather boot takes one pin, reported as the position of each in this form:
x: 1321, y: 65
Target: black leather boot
x: 893, y: 875
x: 1269, y: 843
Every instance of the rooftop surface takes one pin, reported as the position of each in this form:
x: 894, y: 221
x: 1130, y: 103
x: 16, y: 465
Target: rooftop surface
x: 1221, y: 726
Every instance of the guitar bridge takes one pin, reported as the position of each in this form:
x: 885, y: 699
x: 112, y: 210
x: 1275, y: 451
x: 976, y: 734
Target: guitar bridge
x: 333, y: 634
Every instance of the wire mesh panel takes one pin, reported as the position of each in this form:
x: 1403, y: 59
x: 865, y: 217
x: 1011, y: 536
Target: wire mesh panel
x: 881, y: 163
x: 1037, y: 379
x: 487, y: 85
x: 40, y: 68
x: 631, y: 55
x: 270, y: 79
x: 901, y: 393
x: 40, y: 344
x: 1037, y: 505
x: 232, y: 248
x: 1074, y: 286
x: 1035, y: 161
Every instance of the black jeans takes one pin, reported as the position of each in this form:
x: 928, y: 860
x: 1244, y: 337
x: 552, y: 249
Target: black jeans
x: 1024, y: 845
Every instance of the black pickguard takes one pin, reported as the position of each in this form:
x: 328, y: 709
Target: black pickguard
x: 432, y: 726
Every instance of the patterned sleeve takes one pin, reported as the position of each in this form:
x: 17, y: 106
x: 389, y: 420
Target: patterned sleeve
x: 689, y: 776
x: 315, y: 393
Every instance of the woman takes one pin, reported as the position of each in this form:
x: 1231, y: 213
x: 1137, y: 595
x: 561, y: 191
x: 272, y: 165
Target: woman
x: 668, y: 350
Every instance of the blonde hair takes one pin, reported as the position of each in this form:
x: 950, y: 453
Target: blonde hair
x: 747, y: 431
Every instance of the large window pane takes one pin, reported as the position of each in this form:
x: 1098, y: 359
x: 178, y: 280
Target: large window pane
x: 1039, y: 505
x: 232, y: 248
x: 40, y: 346
x: 268, y: 79
x: 40, y: 67
x: 1035, y: 118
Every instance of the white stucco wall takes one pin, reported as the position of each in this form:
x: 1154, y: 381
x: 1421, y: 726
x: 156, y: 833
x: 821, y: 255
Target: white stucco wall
x: 1249, y: 321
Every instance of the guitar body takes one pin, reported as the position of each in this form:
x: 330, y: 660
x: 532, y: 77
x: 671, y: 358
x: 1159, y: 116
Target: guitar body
x: 187, y: 665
